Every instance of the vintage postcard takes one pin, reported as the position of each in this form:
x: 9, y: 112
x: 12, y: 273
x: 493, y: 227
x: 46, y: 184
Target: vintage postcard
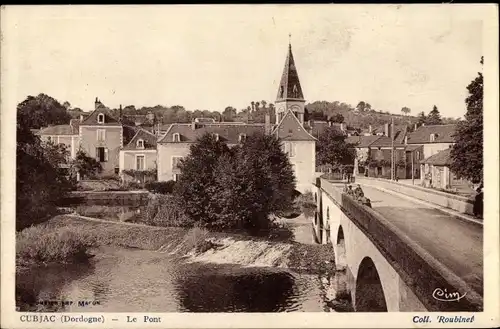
x: 312, y: 166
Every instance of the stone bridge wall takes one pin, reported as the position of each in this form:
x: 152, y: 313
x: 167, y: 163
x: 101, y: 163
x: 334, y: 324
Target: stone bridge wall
x: 455, y: 202
x: 420, y: 272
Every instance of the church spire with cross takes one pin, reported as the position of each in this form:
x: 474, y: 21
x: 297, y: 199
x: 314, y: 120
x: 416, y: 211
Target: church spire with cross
x: 290, y: 94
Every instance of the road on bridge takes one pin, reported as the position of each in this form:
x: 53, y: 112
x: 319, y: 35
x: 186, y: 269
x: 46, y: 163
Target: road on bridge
x: 455, y: 243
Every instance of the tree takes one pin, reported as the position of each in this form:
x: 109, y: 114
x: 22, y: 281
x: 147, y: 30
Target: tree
x: 434, y: 117
x: 229, y: 114
x: 363, y: 107
x: 422, y: 118
x: 332, y: 149
x: 338, y: 118
x: 40, y: 179
x: 406, y: 110
x: 255, y: 182
x: 467, y: 153
x: 67, y: 105
x: 86, y: 166
x: 41, y: 111
x: 196, y: 185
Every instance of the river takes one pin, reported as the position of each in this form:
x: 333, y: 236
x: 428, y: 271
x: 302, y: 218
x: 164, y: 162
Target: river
x: 120, y: 279
x: 132, y: 280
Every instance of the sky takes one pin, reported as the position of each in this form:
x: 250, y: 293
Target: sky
x: 211, y: 57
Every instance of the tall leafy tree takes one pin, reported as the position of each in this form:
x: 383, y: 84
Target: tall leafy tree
x: 434, y: 117
x: 40, y: 181
x: 467, y: 152
x: 196, y: 186
x: 332, y: 149
x: 406, y: 110
x: 255, y: 182
x: 41, y: 111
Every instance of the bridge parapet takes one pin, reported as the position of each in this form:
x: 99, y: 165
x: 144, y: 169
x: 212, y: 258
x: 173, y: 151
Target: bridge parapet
x: 419, y: 270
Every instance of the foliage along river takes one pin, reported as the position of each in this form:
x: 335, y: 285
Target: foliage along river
x: 122, y: 279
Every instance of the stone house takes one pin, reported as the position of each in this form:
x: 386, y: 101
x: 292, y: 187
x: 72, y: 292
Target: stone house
x: 63, y: 134
x: 101, y: 137
x: 433, y: 138
x: 139, y: 154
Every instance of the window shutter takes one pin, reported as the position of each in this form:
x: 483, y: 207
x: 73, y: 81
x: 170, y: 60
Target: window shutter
x: 105, y: 154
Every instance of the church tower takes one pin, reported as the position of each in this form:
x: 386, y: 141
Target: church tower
x: 290, y: 95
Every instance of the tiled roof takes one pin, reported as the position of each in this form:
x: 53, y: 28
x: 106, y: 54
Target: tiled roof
x: 228, y: 133
x: 439, y: 159
x: 422, y: 134
x: 385, y: 141
x: 109, y: 120
x: 58, y: 130
x: 353, y: 139
x: 291, y: 129
x: 316, y: 128
x: 148, y: 138
x: 413, y: 147
x: 366, y: 141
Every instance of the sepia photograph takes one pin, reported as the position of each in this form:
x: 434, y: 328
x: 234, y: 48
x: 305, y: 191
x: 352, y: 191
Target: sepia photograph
x: 292, y: 159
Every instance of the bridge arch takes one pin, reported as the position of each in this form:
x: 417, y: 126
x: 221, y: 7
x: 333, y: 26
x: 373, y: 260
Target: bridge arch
x: 369, y: 293
x: 340, y: 254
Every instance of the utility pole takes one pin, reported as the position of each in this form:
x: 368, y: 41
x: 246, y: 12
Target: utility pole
x: 392, y: 148
x: 412, y: 170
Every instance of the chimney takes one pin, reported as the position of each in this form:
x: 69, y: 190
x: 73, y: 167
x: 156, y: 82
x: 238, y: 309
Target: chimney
x: 370, y: 129
x: 96, y: 103
x: 81, y: 117
x: 268, y: 123
x: 416, y: 126
x: 193, y: 125
x: 386, y: 130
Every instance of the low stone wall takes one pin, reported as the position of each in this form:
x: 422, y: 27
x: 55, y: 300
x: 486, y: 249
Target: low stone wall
x: 418, y: 269
x: 455, y: 202
x: 107, y: 198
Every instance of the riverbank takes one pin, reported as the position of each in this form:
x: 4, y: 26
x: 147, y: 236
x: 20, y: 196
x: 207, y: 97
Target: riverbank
x: 198, y: 246
x: 222, y: 248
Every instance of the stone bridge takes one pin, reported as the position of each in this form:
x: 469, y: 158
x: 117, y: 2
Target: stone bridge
x: 400, y: 256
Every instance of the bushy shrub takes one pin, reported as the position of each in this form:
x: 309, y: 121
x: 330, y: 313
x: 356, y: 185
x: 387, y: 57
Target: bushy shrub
x: 160, y: 187
x: 38, y: 245
x: 165, y: 210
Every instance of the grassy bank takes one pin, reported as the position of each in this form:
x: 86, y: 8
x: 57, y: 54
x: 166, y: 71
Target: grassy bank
x: 41, y: 245
x: 66, y: 238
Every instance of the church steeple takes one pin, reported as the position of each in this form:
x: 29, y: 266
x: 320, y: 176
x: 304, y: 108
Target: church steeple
x: 290, y: 94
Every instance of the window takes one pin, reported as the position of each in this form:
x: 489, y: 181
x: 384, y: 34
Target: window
x: 175, y: 162
x: 101, y: 135
x: 289, y: 148
x: 139, y: 162
x: 176, y: 137
x: 100, y: 118
x: 140, y: 144
x: 101, y: 154
x: 176, y: 177
x: 242, y: 138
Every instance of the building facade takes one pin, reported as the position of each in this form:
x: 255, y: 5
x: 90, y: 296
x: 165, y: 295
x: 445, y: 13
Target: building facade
x: 140, y: 154
x: 101, y: 137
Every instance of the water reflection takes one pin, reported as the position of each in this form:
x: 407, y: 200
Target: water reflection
x: 125, y: 280
x: 235, y: 289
